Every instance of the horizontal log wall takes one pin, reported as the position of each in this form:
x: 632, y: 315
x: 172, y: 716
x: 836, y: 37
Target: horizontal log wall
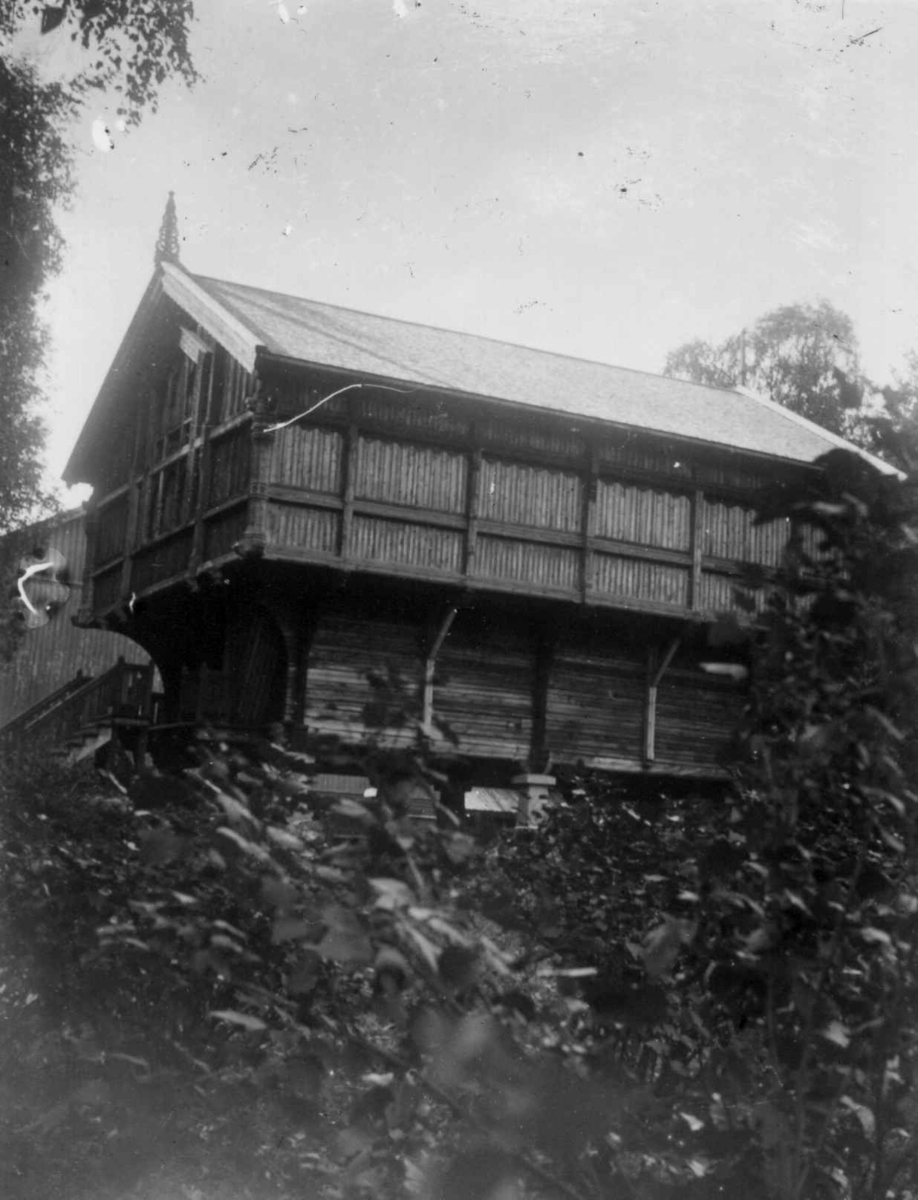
x: 483, y: 689
x: 595, y: 703
x: 491, y: 698
x: 341, y: 701
x: 696, y: 716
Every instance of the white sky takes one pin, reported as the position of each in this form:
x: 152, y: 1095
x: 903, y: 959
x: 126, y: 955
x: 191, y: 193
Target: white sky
x: 604, y: 179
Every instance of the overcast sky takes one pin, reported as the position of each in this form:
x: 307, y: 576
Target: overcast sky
x: 604, y: 179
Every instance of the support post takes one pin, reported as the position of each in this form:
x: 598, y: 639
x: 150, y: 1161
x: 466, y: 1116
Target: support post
x: 430, y: 666
x: 352, y: 449
x: 656, y: 668
x: 587, y: 519
x: 544, y: 653
x: 472, y: 507
x: 535, y: 797
x: 697, y: 534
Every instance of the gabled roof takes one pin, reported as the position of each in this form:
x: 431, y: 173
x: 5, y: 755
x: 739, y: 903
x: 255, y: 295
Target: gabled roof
x: 252, y: 322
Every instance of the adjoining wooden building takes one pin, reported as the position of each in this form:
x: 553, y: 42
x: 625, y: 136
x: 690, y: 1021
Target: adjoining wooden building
x: 62, y: 681
x: 349, y: 524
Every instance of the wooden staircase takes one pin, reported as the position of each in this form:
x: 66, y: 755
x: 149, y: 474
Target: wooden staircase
x: 84, y: 714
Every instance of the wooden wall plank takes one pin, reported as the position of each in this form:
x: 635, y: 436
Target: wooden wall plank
x: 308, y: 456
x: 375, y: 540
x: 418, y: 476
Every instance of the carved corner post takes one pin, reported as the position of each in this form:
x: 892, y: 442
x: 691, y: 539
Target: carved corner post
x: 254, y: 540
x: 132, y: 524
x: 91, y: 527
x: 199, y: 457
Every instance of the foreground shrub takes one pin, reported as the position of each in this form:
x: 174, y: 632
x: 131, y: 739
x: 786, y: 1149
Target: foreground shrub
x: 649, y: 996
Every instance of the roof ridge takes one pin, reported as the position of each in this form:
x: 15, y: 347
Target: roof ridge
x: 707, y: 387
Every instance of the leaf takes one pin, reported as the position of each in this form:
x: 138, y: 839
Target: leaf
x: 280, y: 837
x: 693, y: 1123
x: 393, y: 964
x: 51, y: 18
x: 351, y: 808
x: 429, y: 952
x: 863, y: 1114
x: 458, y: 967
x: 288, y: 929
x: 253, y: 1024
x: 244, y: 845
x: 278, y: 892
x: 161, y: 846
x: 392, y: 893
x: 235, y: 810
x: 874, y: 936
x: 305, y: 975
x: 881, y: 718
x: 345, y: 940
x: 662, y: 945
x: 225, y: 925
x: 459, y: 848
x: 836, y: 1032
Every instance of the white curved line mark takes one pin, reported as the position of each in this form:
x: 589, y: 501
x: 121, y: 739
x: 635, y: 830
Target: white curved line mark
x: 27, y: 574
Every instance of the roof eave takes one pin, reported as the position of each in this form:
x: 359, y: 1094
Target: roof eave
x: 837, y: 440
x: 75, y: 467
x: 267, y: 358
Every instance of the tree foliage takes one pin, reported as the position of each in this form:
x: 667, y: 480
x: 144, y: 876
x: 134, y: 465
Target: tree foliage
x: 132, y: 47
x: 35, y: 176
x: 803, y: 356
x: 131, y: 50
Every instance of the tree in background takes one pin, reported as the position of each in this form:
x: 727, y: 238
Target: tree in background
x: 35, y: 176
x: 130, y: 49
x: 803, y: 356
x: 889, y: 426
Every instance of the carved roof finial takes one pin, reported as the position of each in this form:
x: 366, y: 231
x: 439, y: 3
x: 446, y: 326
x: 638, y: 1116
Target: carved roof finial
x: 167, y: 244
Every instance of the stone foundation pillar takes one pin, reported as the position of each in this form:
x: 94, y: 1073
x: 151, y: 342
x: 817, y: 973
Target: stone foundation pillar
x: 535, y: 797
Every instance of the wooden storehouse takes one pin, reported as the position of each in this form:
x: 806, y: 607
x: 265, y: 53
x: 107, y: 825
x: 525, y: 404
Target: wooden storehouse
x: 348, y: 525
